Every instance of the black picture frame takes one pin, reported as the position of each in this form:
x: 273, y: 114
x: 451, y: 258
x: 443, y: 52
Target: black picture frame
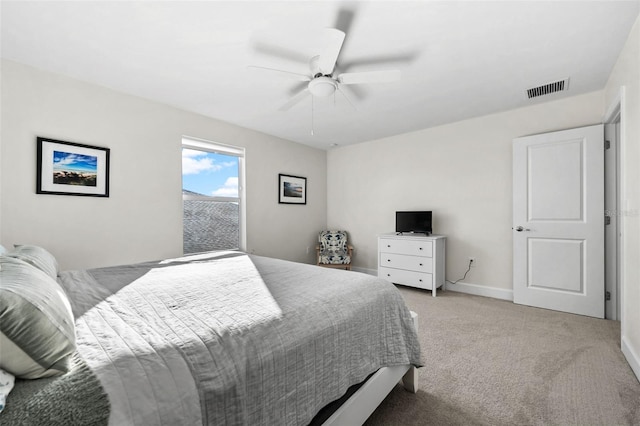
x: 69, y: 168
x: 292, y: 189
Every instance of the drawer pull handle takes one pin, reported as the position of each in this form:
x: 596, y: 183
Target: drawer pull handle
x: 420, y: 248
x: 420, y: 280
x: 388, y: 275
x: 388, y: 260
x: 421, y: 264
x: 388, y: 245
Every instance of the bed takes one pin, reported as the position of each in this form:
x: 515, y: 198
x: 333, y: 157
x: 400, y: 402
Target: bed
x: 216, y: 338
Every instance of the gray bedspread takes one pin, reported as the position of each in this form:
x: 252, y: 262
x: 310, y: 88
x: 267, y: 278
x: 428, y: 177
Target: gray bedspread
x: 75, y: 398
x: 229, y: 338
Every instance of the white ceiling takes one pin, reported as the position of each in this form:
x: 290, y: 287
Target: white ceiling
x: 458, y: 59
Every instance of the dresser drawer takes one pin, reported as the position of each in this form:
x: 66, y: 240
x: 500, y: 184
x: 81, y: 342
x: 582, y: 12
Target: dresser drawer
x: 402, y: 261
x: 410, y: 278
x: 413, y: 248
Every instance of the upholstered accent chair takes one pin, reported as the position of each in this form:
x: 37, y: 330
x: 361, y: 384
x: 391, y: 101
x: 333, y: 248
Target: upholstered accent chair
x: 333, y: 250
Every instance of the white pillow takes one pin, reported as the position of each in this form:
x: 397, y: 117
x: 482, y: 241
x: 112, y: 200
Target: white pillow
x: 36, y: 256
x: 2, y: 249
x: 37, y: 331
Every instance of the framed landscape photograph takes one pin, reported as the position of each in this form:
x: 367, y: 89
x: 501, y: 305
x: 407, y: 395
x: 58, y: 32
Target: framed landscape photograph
x: 292, y: 189
x: 67, y: 168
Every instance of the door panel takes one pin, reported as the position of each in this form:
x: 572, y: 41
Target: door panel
x: 556, y: 264
x: 558, y: 214
x: 559, y: 166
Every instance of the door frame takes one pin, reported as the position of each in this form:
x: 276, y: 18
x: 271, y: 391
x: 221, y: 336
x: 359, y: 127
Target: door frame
x: 612, y: 209
x: 615, y: 114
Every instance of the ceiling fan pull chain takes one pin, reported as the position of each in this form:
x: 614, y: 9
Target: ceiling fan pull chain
x: 312, y: 108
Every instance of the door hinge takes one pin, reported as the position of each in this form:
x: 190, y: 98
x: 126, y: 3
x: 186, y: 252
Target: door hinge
x: 607, y: 220
x: 607, y: 144
x: 607, y: 295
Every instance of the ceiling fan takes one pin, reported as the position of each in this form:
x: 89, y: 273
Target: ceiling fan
x: 323, y: 80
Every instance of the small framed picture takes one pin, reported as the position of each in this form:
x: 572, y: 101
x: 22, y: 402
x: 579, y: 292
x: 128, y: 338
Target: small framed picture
x: 292, y: 189
x: 67, y: 168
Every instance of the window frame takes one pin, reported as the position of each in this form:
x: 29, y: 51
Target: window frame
x: 198, y: 144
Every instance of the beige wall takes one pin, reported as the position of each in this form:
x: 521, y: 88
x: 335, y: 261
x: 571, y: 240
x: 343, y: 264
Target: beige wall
x: 142, y: 218
x: 461, y: 171
x: 626, y: 73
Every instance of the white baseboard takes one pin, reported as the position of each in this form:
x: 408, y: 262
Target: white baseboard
x: 468, y: 288
x: 632, y: 357
x: 481, y: 290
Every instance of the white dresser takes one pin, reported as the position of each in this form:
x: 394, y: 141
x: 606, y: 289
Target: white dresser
x: 412, y: 260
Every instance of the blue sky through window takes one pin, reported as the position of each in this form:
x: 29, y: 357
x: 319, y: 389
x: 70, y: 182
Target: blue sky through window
x: 209, y: 174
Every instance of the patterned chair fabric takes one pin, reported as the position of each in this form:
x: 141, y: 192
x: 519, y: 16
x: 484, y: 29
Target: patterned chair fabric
x: 333, y: 249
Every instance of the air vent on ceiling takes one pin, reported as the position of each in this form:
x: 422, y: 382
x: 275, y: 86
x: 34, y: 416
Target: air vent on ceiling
x: 547, y: 89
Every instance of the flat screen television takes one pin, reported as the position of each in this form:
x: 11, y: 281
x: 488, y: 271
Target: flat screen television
x: 413, y: 222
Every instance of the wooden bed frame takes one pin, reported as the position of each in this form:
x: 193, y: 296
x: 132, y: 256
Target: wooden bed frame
x: 357, y: 409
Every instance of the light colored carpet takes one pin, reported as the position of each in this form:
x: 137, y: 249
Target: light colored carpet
x: 492, y: 362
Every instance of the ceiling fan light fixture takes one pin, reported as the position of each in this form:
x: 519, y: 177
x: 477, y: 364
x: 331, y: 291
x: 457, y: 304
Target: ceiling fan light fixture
x: 323, y: 86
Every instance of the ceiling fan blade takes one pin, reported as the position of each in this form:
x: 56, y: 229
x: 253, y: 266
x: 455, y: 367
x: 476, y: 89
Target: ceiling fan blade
x: 296, y: 99
x: 294, y: 75
x: 354, y: 91
x: 377, y: 60
x: 344, y: 19
x: 387, y: 76
x: 344, y: 22
x: 333, y: 40
x: 298, y: 87
x: 267, y: 48
x: 347, y: 98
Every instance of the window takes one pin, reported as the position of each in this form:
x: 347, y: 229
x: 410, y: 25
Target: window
x: 212, y: 196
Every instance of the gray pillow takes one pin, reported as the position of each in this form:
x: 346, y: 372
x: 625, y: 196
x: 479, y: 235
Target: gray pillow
x: 36, y: 256
x: 37, y: 331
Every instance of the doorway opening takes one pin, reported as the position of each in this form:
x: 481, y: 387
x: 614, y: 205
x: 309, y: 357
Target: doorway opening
x: 613, y: 211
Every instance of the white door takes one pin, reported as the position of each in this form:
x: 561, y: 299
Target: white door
x: 558, y: 221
